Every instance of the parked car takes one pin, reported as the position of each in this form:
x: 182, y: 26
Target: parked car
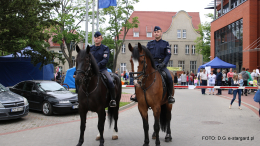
x: 47, y: 96
x: 12, y: 106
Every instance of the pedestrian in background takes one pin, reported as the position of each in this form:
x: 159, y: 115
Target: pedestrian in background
x: 183, y: 79
x: 235, y: 82
x: 203, y: 81
x: 245, y: 79
x: 219, y: 78
x: 255, y: 83
x: 187, y: 78
x: 131, y: 78
x: 250, y: 79
x: 198, y: 76
x: 190, y: 80
x: 195, y: 81
x: 211, y: 79
x: 192, y: 74
x: 224, y: 77
x: 175, y: 79
x: 179, y: 79
x: 230, y: 76
x: 253, y: 74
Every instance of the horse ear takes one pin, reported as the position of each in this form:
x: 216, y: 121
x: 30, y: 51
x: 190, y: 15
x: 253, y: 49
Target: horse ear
x: 88, y: 49
x: 77, y: 48
x: 130, y: 47
x: 140, y: 48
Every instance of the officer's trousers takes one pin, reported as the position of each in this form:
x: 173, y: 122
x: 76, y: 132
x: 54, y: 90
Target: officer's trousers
x: 169, y: 77
x: 110, y: 83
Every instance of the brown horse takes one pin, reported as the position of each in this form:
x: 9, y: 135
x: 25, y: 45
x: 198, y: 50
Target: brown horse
x: 93, y: 94
x: 149, y: 93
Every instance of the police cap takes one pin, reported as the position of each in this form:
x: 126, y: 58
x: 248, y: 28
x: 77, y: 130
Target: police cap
x: 97, y: 34
x: 157, y: 28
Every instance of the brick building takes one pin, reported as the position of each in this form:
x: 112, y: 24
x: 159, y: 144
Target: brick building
x: 235, y: 32
x: 178, y: 29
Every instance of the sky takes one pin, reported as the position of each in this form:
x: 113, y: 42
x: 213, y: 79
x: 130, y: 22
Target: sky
x: 170, y: 6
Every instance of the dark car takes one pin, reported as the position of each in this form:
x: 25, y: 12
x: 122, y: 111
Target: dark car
x: 47, y: 96
x: 12, y: 106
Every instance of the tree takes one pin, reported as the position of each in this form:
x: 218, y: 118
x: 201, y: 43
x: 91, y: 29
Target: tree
x: 22, y: 24
x: 119, y: 23
x: 203, y: 41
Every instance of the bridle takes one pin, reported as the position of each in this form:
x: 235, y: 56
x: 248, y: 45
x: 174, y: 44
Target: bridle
x: 87, y: 78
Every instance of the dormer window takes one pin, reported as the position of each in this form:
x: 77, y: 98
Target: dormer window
x: 136, y: 34
x: 149, y: 34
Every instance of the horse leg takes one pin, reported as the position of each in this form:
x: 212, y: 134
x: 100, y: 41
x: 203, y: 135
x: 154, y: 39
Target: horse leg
x: 144, y: 115
x: 101, y: 123
x: 156, y: 125
x: 83, y: 117
x: 115, y: 134
x: 168, y: 136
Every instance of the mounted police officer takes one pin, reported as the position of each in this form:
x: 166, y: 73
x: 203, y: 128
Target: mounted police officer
x: 101, y: 54
x: 161, y: 52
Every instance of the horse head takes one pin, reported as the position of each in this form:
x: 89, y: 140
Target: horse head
x: 85, y: 65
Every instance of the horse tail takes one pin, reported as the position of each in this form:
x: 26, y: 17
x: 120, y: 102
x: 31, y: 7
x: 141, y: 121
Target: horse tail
x: 163, y: 118
x: 113, y: 111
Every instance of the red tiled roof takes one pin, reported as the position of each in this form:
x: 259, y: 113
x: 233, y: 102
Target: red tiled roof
x: 149, y: 19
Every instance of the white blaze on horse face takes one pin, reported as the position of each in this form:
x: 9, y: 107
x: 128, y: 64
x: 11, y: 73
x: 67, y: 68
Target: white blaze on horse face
x: 136, y: 64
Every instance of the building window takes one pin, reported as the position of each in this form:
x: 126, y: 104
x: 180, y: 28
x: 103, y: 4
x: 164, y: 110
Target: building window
x: 73, y: 60
x: 170, y: 63
x: 181, y: 64
x: 123, y: 48
x: 193, y: 66
x: 184, y: 33
x: 136, y: 34
x: 149, y: 34
x: 178, y: 33
x: 60, y: 55
x: 229, y: 43
x: 60, y: 69
x: 187, y: 50
x: 122, y: 67
x: 175, y: 49
x: 193, y: 49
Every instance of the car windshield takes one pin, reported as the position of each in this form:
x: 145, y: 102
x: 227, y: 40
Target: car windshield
x: 51, y: 86
x: 2, y: 88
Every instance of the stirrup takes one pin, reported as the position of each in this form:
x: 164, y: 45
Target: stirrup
x: 171, y: 100
x: 133, y: 98
x: 112, y: 103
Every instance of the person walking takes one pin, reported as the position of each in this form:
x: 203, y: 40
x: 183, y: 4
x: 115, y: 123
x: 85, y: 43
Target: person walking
x: 236, y: 82
x: 245, y: 79
x: 183, y: 79
x: 230, y: 76
x: 219, y: 80
x: 211, y: 79
x: 203, y: 81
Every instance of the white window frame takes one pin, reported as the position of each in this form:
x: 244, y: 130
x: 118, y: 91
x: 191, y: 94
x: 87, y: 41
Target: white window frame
x: 170, y: 63
x: 136, y: 34
x: 175, y: 49
x: 187, y: 49
x: 193, y: 66
x: 193, y: 49
x: 122, y: 67
x: 184, y: 34
x: 149, y: 34
x: 123, y: 48
x: 178, y: 33
x: 181, y: 63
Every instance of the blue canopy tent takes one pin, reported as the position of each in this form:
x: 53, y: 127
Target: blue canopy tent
x: 69, y: 80
x: 15, y: 70
x: 217, y: 63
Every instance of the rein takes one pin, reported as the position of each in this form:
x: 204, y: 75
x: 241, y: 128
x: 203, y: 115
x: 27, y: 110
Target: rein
x: 144, y: 76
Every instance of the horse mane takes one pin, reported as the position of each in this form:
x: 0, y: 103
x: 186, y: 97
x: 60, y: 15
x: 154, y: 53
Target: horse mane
x: 136, y: 54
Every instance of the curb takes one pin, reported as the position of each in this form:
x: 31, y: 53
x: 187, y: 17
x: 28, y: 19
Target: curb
x: 127, y: 106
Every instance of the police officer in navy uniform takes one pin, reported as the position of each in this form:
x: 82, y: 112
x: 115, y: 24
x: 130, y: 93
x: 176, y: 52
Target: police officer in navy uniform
x: 101, y: 54
x: 161, y: 52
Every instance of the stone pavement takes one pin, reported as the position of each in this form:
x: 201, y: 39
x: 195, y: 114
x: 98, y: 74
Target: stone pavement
x: 195, y: 117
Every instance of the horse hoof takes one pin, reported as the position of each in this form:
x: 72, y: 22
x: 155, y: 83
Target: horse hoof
x: 97, y: 138
x: 168, y: 139
x: 114, y: 137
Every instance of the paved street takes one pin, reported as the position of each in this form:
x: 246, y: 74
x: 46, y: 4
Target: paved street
x: 193, y: 117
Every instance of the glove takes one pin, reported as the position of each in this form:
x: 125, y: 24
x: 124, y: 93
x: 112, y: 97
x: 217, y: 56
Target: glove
x: 161, y: 65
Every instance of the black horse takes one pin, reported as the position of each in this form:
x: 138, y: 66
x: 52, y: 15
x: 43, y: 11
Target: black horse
x: 93, y: 94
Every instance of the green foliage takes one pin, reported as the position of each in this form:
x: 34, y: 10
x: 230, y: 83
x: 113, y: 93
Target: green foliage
x: 119, y: 22
x: 203, y: 41
x: 22, y: 24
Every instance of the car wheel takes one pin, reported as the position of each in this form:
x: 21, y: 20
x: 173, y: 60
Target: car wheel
x: 46, y: 108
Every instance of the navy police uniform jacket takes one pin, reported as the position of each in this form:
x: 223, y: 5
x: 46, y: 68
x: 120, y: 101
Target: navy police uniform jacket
x: 219, y: 77
x: 160, y: 50
x: 101, y: 54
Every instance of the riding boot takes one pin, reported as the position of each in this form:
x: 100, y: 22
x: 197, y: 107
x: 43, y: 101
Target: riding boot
x: 113, y: 98
x: 171, y: 100
x: 134, y: 98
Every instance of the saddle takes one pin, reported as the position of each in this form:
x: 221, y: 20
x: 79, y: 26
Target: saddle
x: 164, y: 78
x: 105, y: 80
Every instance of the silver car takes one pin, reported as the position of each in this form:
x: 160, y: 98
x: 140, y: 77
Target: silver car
x: 12, y: 106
